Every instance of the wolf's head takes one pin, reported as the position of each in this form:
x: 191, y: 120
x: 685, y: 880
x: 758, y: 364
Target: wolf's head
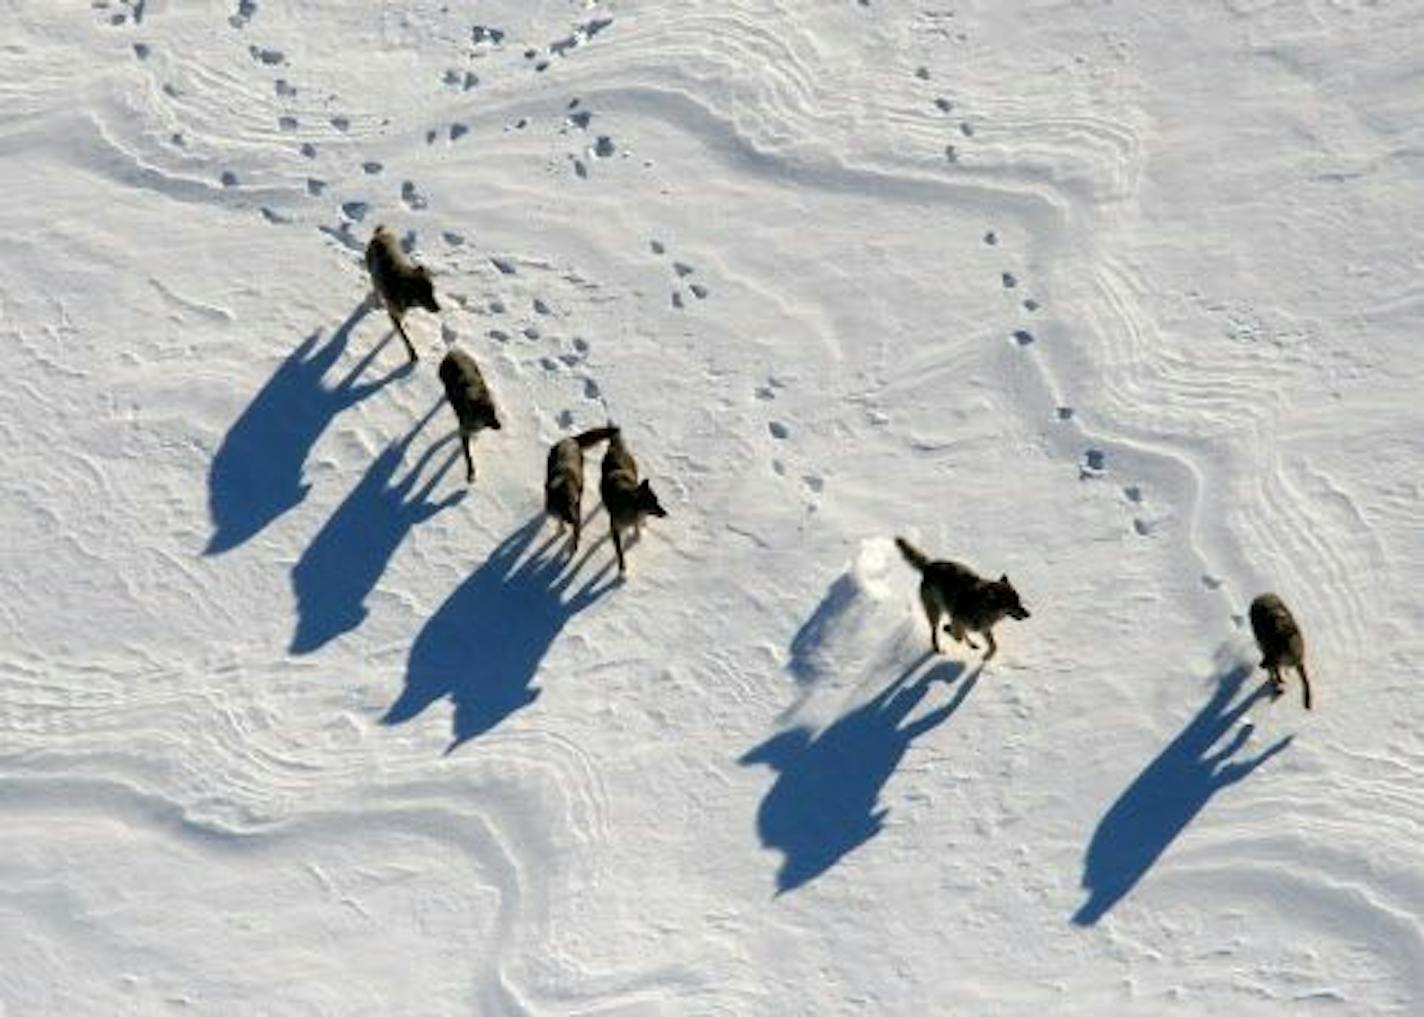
x: 1005, y: 599
x: 648, y: 501
x: 422, y: 290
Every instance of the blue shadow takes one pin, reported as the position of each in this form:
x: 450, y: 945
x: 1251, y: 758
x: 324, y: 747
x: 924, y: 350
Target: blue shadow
x: 256, y: 474
x: 347, y: 557
x: 483, y: 646
x: 824, y: 801
x: 807, y: 646
x: 1166, y: 796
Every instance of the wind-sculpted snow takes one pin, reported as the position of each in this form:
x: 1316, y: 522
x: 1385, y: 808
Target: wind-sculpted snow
x: 1122, y: 303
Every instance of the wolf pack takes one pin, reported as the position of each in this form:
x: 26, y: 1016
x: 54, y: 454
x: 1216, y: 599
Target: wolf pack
x: 955, y: 598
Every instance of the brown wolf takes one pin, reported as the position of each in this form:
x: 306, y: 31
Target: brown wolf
x: 471, y: 400
x: 400, y: 284
x: 627, y: 499
x: 563, y: 482
x: 973, y: 604
x: 1280, y: 641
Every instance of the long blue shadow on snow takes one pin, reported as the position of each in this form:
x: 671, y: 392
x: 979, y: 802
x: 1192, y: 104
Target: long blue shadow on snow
x: 824, y: 801
x: 346, y: 559
x: 483, y: 646
x: 1166, y: 796
x: 256, y: 474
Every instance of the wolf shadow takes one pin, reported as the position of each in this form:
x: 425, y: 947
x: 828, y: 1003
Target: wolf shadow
x: 824, y: 801
x: 256, y: 475
x: 1167, y: 795
x: 346, y: 559
x: 483, y: 646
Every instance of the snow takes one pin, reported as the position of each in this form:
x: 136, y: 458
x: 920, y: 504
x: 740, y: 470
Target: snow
x: 1119, y: 300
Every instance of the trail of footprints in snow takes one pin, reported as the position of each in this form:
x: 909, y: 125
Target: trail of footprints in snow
x: 681, y: 271
x: 1093, y: 464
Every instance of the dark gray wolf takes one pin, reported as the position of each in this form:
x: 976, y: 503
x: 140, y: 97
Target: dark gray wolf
x: 973, y: 604
x: 470, y: 399
x: 1280, y: 641
x: 627, y: 499
x: 563, y: 483
x: 400, y: 284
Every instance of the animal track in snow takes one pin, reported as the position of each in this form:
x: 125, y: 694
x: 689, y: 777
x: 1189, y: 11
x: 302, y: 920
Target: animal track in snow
x: 228, y: 178
x: 413, y: 199
x: 1023, y: 337
x: 1065, y: 413
x: 540, y: 307
x: 991, y: 238
x: 141, y: 50
x: 371, y: 167
x: 452, y: 238
x: 270, y: 57
x: 287, y: 122
x: 699, y: 291
x: 308, y: 150
x: 458, y: 131
x: 315, y: 186
x: 1008, y: 280
x: 778, y: 430
x: 657, y: 246
x: 603, y: 147
x: 1030, y: 305
x: 355, y: 210
x: 1094, y: 464
x: 341, y: 123
x: 284, y: 89
x: 246, y: 11
x: 504, y: 267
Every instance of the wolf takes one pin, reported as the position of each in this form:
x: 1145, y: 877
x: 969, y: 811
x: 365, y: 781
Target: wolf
x: 1280, y: 641
x: 470, y: 399
x: 972, y: 603
x: 628, y: 500
x: 400, y: 284
x: 563, y: 483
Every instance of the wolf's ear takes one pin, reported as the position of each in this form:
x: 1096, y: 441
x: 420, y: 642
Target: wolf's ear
x: 1005, y: 580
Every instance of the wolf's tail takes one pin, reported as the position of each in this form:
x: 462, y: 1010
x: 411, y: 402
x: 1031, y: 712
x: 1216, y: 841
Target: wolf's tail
x: 912, y: 554
x: 595, y: 435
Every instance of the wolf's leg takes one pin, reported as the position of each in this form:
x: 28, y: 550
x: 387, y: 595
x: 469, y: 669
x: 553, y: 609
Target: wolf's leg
x: 618, y: 547
x: 931, y: 607
x: 578, y: 530
x: 1278, y: 684
x: 1304, y: 683
x: 469, y: 459
x: 993, y: 646
x: 400, y: 328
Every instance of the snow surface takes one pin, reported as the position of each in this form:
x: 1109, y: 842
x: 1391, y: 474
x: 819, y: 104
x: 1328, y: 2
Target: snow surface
x: 1121, y: 299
